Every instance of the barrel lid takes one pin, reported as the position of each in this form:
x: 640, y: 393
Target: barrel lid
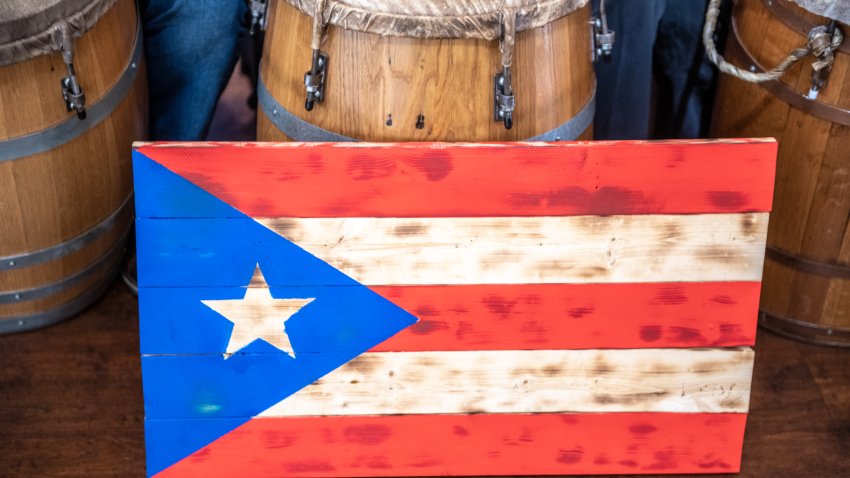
x: 437, y: 18
x: 29, y: 28
x: 834, y: 9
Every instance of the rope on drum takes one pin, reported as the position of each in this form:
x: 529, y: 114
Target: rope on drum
x: 822, y: 42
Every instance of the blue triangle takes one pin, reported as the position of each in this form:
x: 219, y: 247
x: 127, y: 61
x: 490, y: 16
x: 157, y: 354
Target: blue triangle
x: 188, y: 384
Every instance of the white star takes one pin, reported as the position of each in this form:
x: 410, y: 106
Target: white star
x: 258, y: 315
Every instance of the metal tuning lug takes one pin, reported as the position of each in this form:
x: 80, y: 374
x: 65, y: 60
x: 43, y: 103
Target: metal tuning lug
x: 258, y: 10
x: 314, y: 79
x: 819, y: 79
x: 601, y: 37
x: 72, y: 92
x: 503, y: 98
x: 820, y: 44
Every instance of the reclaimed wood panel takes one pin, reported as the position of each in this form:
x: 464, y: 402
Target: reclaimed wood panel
x: 378, y: 237
x: 455, y: 180
x: 423, y: 445
x: 575, y: 316
x: 520, y: 250
x: 530, y: 381
x: 528, y: 316
x: 374, y: 251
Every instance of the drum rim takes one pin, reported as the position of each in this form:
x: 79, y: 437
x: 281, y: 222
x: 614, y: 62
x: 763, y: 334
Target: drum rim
x: 828, y: 9
x: 301, y: 130
x: 30, y: 43
x: 486, y: 26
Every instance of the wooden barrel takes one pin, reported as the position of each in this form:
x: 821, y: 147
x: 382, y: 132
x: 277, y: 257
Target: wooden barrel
x: 396, y: 75
x: 65, y: 183
x: 806, y: 288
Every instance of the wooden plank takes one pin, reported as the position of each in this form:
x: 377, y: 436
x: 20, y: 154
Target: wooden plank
x: 351, y: 180
x: 519, y: 250
x: 575, y: 316
x: 492, y: 317
x: 527, y: 381
x: 530, y: 381
x: 421, y: 445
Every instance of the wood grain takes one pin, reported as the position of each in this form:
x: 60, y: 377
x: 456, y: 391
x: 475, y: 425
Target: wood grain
x: 450, y: 81
x: 528, y: 250
x: 529, y: 381
x: 705, y: 248
x: 453, y: 180
x: 514, y: 317
x: 812, y: 199
x: 489, y: 445
x: 52, y: 196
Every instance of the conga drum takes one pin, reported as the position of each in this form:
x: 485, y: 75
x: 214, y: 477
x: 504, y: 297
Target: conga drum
x: 427, y: 70
x: 806, y: 285
x: 73, y: 96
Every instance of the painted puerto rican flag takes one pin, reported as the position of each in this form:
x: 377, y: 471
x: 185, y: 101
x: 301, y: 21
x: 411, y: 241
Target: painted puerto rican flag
x: 432, y: 309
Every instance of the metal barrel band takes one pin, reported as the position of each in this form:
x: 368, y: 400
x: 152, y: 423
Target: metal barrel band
x: 66, y: 247
x: 575, y: 126
x: 57, y: 135
x: 780, y: 10
x: 22, y: 323
x: 804, y: 331
x: 784, y: 92
x: 300, y: 130
x: 291, y: 125
x: 804, y: 264
x: 112, y: 256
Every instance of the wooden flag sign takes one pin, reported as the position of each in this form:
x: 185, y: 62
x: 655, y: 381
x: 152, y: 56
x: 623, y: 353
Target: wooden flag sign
x: 432, y: 309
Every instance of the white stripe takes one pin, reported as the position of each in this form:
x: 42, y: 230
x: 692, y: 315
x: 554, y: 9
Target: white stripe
x: 538, y: 381
x: 533, y: 250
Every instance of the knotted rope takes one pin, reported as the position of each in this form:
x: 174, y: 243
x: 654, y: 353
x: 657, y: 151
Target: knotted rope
x: 821, y: 44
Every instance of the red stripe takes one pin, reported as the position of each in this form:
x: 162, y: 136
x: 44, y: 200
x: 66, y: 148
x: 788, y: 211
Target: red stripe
x: 509, y: 180
x: 599, y: 443
x: 575, y: 316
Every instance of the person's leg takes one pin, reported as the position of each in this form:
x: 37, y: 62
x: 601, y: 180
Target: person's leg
x: 191, y: 47
x: 624, y: 85
x: 685, y: 78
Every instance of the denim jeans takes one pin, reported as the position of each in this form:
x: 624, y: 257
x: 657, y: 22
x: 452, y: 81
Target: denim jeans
x: 191, y: 47
x: 657, y: 40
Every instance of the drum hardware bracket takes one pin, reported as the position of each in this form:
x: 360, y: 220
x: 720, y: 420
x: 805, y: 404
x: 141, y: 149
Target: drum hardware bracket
x: 258, y: 16
x: 503, y: 98
x: 820, y: 43
x: 300, y: 130
x: 314, y: 79
x: 72, y: 92
x: 70, y: 128
x: 601, y: 37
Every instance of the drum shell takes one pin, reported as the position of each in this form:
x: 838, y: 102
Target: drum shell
x: 377, y: 86
x: 806, y: 284
x: 53, y: 196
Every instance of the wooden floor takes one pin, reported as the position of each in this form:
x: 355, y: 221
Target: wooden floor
x: 71, y: 401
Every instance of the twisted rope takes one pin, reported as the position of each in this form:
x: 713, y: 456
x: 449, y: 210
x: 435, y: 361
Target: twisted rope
x: 506, y: 44
x: 820, y: 44
x: 319, y: 23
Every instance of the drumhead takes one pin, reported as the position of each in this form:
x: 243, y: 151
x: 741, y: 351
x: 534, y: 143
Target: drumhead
x: 437, y: 18
x: 29, y: 28
x: 835, y: 9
